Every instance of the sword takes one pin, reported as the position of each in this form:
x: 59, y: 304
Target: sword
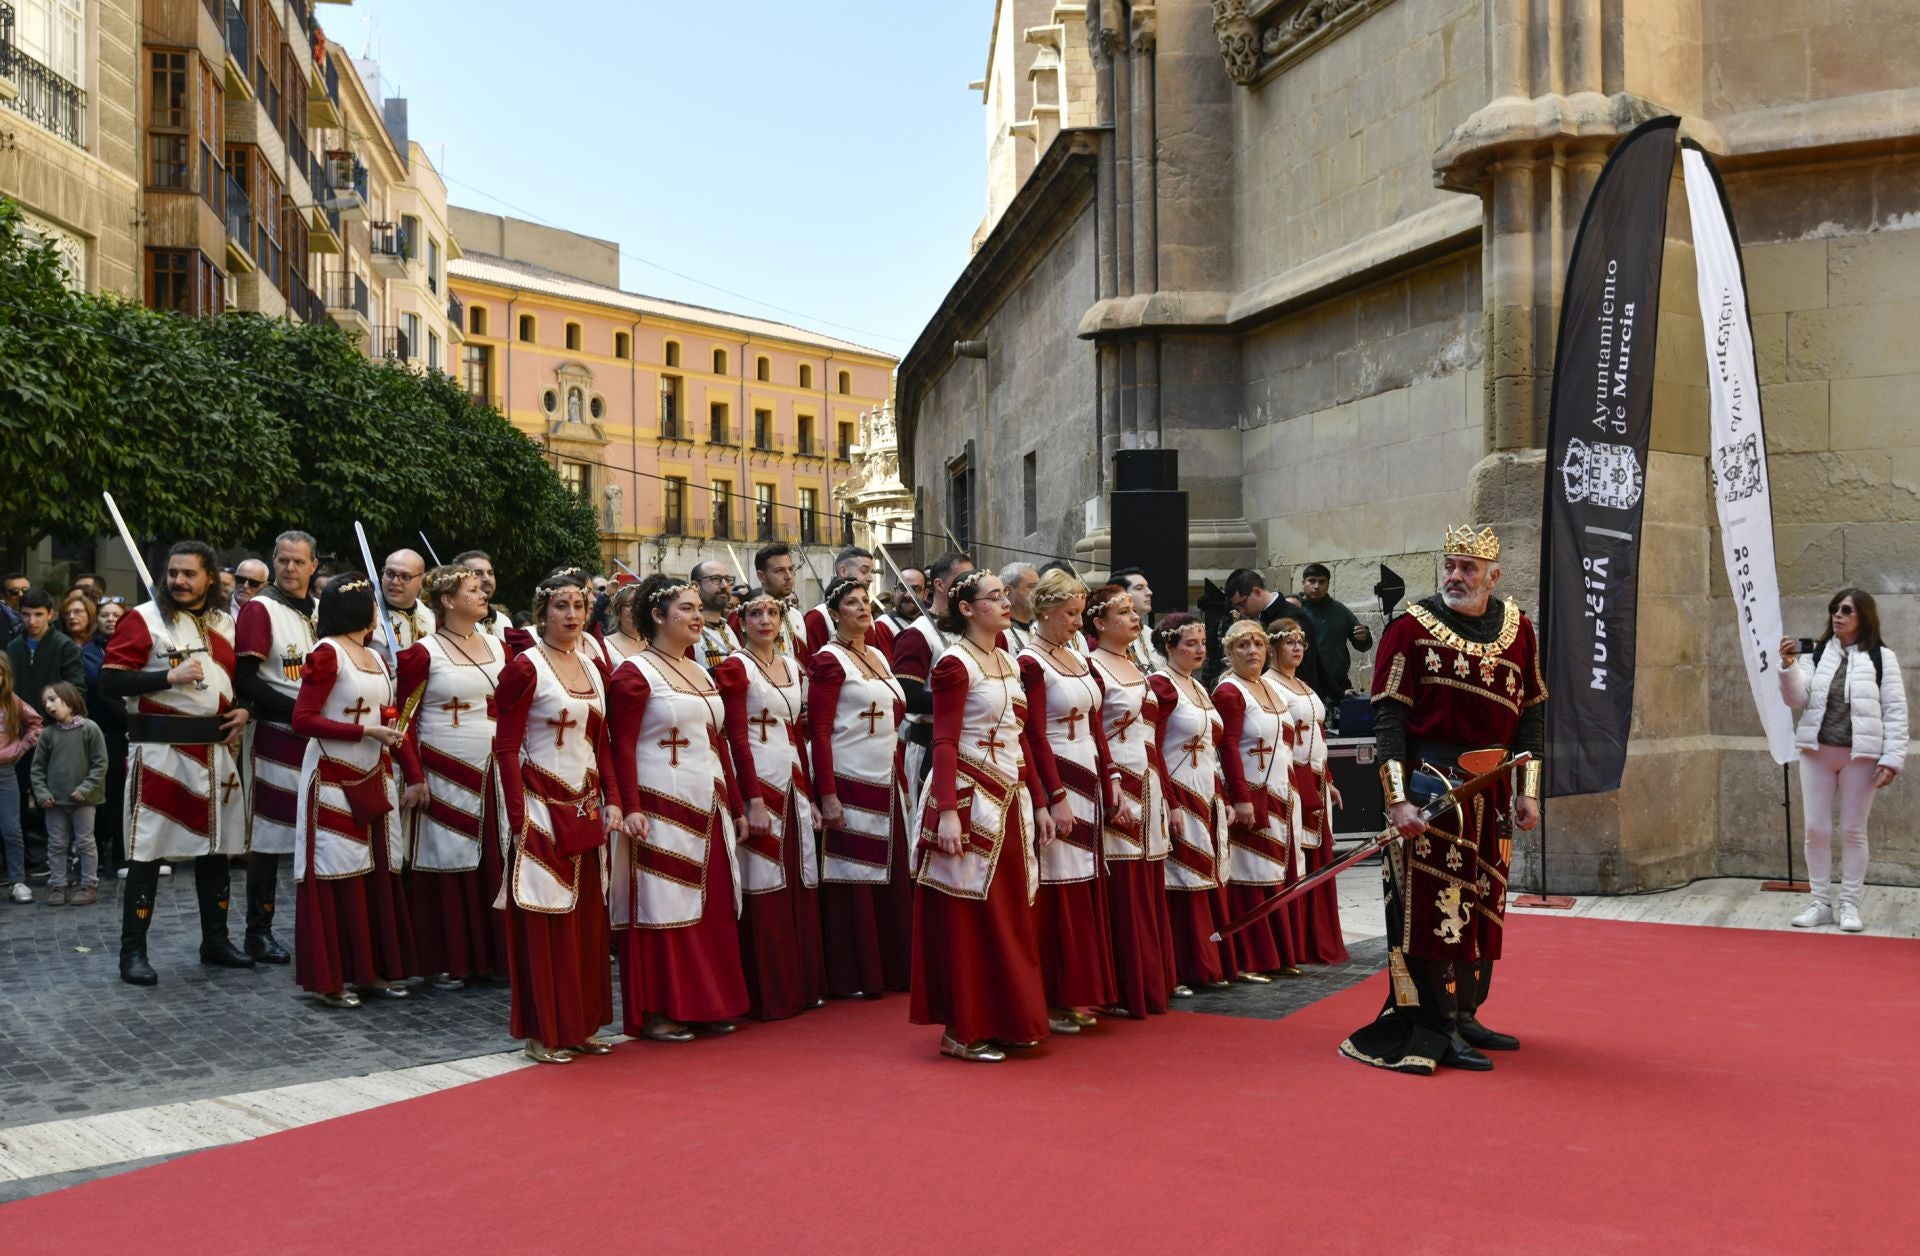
x: 901, y: 578
x: 630, y: 571
x: 1385, y: 837
x: 429, y: 544
x: 379, y: 593
x: 172, y: 651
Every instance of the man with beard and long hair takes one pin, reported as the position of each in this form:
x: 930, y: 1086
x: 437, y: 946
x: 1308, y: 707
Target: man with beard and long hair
x: 172, y: 663
x: 1457, y: 686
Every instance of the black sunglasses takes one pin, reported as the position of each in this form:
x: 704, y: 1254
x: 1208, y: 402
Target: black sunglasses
x: 249, y: 581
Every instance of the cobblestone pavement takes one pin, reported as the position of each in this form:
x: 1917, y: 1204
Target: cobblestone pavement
x: 76, y: 1040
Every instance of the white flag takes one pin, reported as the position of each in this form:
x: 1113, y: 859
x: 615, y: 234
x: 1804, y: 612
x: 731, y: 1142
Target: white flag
x: 1739, y: 450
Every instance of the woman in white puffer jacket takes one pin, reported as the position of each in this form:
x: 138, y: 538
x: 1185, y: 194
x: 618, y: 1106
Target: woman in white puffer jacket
x: 1852, y: 737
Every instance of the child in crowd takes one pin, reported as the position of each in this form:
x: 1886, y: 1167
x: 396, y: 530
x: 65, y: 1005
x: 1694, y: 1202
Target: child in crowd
x: 69, y: 781
x: 19, y: 730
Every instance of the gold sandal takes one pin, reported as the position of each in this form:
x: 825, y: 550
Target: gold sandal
x: 542, y: 1055
x: 982, y: 1052
x: 591, y: 1045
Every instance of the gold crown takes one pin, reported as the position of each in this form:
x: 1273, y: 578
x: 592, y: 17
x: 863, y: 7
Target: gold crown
x: 1463, y: 540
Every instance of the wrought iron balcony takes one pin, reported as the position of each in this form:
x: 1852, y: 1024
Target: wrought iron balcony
x: 302, y: 302
x: 347, y: 175
x: 390, y: 343
x: 346, y: 294
x: 38, y: 94
x: 239, y: 220
x: 239, y: 50
x: 456, y: 318
x: 387, y: 249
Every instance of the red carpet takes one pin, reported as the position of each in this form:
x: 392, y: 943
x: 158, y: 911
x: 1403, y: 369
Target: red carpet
x: 1681, y: 1089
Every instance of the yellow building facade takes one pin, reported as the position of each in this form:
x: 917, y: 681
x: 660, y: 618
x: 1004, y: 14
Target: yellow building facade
x: 696, y: 433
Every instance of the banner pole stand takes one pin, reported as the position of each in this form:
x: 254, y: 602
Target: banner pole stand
x: 1788, y: 886
x: 1542, y: 899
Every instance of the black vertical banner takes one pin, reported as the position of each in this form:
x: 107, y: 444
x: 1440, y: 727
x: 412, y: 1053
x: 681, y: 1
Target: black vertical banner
x: 1597, y: 430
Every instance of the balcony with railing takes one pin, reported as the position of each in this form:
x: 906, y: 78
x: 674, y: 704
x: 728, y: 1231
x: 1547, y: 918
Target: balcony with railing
x: 728, y: 526
x: 390, y: 343
x: 347, y: 175
x: 765, y: 527
x: 239, y: 220
x: 323, y: 87
x: 36, y: 92
x: 672, y: 522
x: 7, y: 90
x: 456, y: 319
x: 239, y: 52
x: 324, y: 229
x: 722, y: 433
x: 387, y: 249
x: 347, y: 299
x: 302, y: 302
x: 809, y: 527
x: 674, y: 428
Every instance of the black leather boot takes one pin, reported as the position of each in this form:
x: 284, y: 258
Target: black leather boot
x: 263, y: 879
x: 136, y: 913
x: 213, y: 886
x: 1474, y: 984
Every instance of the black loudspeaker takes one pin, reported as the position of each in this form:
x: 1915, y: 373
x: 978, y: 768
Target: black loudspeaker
x: 1150, y: 532
x: 1146, y: 470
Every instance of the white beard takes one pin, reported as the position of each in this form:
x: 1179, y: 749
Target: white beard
x: 1463, y: 603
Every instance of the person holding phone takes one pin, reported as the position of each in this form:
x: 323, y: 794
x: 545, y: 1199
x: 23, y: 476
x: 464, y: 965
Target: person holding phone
x: 1852, y: 737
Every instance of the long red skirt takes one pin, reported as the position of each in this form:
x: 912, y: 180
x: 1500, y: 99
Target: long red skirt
x: 780, y: 946
x: 560, y: 974
x: 1071, y: 922
x: 455, y: 927
x: 1142, y: 935
x: 1321, y: 941
x: 687, y: 972
x: 976, y: 963
x: 867, y: 930
x: 1266, y: 945
x: 352, y: 930
x: 1196, y: 958
x: 557, y: 965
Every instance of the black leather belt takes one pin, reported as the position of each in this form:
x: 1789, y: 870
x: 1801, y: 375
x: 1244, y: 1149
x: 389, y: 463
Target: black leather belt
x: 176, y: 730
x: 1441, y: 755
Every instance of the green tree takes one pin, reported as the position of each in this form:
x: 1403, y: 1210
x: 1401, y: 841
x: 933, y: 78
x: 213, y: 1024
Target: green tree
x: 233, y: 428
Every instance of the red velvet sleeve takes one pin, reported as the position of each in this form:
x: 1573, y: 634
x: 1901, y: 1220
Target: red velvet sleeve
x: 1033, y: 679
x: 823, y: 703
x: 731, y: 677
x: 910, y: 656
x: 1232, y: 705
x: 512, y: 700
x: 252, y: 631
x: 817, y: 630
x: 1165, y: 698
x: 1150, y: 708
x: 517, y: 640
x: 881, y: 639
x: 608, y: 763
x: 317, y: 675
x: 627, y: 708
x: 130, y: 645
x: 414, y: 665
x: 949, y: 717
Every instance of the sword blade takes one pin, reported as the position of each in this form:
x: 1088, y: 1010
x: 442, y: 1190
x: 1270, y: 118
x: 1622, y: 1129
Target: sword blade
x: 379, y: 593
x: 140, y: 566
x: 429, y: 544
x: 1446, y: 802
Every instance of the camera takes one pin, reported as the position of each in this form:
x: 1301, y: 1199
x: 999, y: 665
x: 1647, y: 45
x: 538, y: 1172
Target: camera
x: 1807, y: 645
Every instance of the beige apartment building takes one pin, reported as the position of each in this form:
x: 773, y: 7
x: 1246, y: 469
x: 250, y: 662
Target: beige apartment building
x: 69, y: 71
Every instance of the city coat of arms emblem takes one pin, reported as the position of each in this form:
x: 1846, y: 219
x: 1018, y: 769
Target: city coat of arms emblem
x: 1604, y: 474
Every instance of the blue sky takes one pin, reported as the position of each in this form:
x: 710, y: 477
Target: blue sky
x: 823, y: 158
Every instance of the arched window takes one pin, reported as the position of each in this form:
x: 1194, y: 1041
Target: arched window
x: 573, y: 337
x: 622, y: 345
x: 719, y: 361
x: 806, y: 376
x: 762, y: 370
x: 526, y: 328
x: 673, y: 353
x: 477, y: 320
x: 574, y: 403
x: 846, y: 383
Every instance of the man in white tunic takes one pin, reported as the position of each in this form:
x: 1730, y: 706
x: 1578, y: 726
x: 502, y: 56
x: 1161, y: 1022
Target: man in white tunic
x: 172, y: 662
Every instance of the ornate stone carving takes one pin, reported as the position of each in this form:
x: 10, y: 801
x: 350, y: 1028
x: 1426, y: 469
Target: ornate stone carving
x: 881, y: 506
x: 1113, y: 35
x: 1145, y: 24
x: 1239, y: 39
x: 1260, y: 37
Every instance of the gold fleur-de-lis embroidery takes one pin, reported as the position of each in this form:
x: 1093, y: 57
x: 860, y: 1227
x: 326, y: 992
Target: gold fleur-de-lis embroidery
x: 1513, y: 685
x: 1487, y: 670
x: 1460, y: 666
x: 1433, y: 660
x: 1453, y: 858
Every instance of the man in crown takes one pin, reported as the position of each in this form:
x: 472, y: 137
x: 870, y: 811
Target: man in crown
x: 1457, y: 687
